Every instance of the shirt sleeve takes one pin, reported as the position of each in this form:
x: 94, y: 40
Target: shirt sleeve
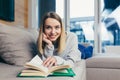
x: 48, y: 51
x: 61, y: 61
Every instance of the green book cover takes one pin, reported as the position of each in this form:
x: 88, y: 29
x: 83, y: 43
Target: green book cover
x: 59, y: 73
x: 67, y: 72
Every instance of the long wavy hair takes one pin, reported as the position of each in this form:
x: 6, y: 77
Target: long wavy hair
x: 61, y: 39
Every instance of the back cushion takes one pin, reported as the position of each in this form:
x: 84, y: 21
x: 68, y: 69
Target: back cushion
x: 17, y: 45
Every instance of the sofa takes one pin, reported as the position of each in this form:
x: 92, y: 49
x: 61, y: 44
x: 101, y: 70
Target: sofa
x: 18, y: 46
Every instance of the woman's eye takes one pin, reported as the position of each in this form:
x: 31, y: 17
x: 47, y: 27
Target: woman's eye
x: 48, y: 27
x: 57, y: 27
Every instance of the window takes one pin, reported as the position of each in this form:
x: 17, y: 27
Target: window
x: 82, y: 21
x: 111, y: 21
x: 60, y: 8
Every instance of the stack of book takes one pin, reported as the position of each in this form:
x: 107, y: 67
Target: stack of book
x: 34, y: 68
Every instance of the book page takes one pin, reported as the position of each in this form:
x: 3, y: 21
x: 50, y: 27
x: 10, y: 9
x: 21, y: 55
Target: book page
x: 54, y: 68
x: 36, y: 63
x: 36, y: 60
x: 33, y: 74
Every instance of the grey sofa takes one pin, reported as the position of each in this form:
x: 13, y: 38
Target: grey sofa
x: 17, y: 46
x: 103, y: 66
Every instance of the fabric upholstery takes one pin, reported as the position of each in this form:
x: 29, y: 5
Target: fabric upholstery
x: 16, y: 45
x: 103, y: 66
x: 10, y: 72
x: 105, y: 60
x: 103, y: 74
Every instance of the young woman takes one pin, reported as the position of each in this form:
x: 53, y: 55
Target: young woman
x: 55, y: 45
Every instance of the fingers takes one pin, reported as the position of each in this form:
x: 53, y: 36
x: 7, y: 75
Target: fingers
x: 45, y: 39
x: 50, y: 61
x: 46, y: 61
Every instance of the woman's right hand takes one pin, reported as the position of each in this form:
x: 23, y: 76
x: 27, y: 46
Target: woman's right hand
x: 45, y: 39
x: 50, y: 61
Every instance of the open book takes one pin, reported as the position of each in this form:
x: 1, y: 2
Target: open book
x: 35, y: 68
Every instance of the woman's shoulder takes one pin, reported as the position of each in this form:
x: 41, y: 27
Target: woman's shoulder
x: 71, y: 39
x: 71, y: 34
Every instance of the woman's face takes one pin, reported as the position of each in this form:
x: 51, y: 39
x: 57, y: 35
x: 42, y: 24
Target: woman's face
x: 52, y: 29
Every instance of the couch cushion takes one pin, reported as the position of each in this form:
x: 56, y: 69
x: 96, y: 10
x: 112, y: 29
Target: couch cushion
x: 104, y: 60
x: 16, y: 45
x: 9, y: 72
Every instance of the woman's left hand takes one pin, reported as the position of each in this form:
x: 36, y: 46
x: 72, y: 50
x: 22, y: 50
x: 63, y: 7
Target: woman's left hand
x: 50, y: 61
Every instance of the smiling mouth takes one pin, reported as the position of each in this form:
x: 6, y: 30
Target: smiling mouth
x: 52, y: 37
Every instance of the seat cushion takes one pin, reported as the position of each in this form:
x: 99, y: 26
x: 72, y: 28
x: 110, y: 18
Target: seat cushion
x: 17, y: 45
x: 104, y: 60
x: 10, y: 72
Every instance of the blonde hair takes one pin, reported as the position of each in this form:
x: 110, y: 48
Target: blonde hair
x: 62, y: 38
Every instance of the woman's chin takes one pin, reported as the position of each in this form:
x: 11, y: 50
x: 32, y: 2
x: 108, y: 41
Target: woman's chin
x: 52, y: 40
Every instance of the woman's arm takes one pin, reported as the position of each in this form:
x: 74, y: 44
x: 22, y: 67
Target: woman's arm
x: 71, y: 54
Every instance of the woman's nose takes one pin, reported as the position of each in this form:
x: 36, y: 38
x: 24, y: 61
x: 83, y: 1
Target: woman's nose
x: 53, y: 31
